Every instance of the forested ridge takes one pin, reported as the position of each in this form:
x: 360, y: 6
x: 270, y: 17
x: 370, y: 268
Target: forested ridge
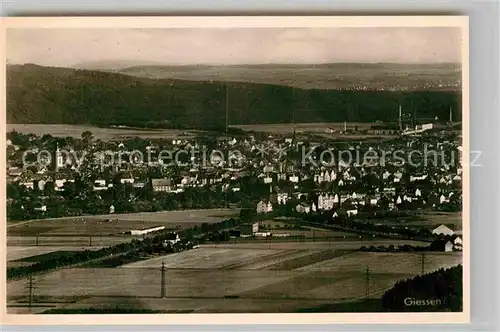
x: 46, y: 95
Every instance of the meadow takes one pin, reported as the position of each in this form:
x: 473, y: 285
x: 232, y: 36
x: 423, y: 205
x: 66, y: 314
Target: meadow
x: 105, y: 134
x: 114, y: 224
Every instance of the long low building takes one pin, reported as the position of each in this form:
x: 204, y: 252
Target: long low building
x: 146, y: 231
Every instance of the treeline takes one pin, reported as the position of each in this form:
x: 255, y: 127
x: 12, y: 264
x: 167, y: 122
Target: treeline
x: 437, y: 291
x: 403, y: 248
x: 368, y: 226
x: 63, y: 95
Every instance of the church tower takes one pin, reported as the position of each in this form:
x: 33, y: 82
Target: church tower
x: 59, y: 158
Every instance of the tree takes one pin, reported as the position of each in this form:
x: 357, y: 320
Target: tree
x: 248, y: 215
x: 13, y: 191
x: 49, y: 189
x: 87, y: 136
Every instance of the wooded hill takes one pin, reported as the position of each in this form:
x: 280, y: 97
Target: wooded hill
x: 37, y: 94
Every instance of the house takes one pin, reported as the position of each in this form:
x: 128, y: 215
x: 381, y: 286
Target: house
x: 303, y: 208
x: 15, y: 171
x: 282, y: 198
x: 418, y: 178
x: 352, y: 212
x: 162, y: 185
x: 264, y: 207
x: 28, y: 184
x: 100, y: 185
x: 443, y: 230
x: 127, y: 180
x: 448, y: 246
x: 172, y: 238
x: 41, y: 208
x: 326, y: 201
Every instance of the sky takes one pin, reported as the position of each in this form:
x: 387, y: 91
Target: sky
x: 181, y: 46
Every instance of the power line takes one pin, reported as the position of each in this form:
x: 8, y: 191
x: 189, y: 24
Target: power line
x: 30, y: 289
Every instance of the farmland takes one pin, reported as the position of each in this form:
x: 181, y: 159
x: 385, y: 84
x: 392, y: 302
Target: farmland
x: 38, y: 237
x: 117, y: 223
x: 64, y: 130
x: 285, y: 277
x: 318, y: 129
x: 432, y: 219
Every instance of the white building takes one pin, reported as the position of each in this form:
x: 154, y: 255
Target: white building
x: 448, y: 246
x: 444, y: 230
x: 264, y: 207
x: 282, y: 198
x: 41, y: 208
x: 352, y: 212
x: 303, y: 208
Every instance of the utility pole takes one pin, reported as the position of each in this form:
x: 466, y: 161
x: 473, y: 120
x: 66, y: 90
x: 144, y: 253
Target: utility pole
x: 163, y: 269
x: 423, y: 263
x: 37, y: 240
x: 451, y: 115
x: 367, y: 281
x: 30, y: 287
x: 90, y: 241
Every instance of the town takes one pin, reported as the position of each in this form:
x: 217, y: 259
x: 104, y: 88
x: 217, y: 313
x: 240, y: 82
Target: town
x: 271, y: 174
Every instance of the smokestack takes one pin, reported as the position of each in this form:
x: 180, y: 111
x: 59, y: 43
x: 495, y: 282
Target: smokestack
x: 400, y: 124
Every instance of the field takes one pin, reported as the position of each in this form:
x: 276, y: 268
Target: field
x: 46, y: 242
x: 314, y: 129
x: 105, y: 134
x: 286, y: 277
x: 25, y: 256
x: 433, y: 219
x: 98, y: 225
x: 277, y: 227
x: 21, y: 252
x: 36, y: 237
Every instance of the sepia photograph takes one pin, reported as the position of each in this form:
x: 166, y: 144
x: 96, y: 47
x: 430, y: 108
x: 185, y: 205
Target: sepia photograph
x: 236, y: 165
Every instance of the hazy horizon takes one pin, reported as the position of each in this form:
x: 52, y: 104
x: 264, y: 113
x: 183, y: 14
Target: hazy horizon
x: 238, y: 46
